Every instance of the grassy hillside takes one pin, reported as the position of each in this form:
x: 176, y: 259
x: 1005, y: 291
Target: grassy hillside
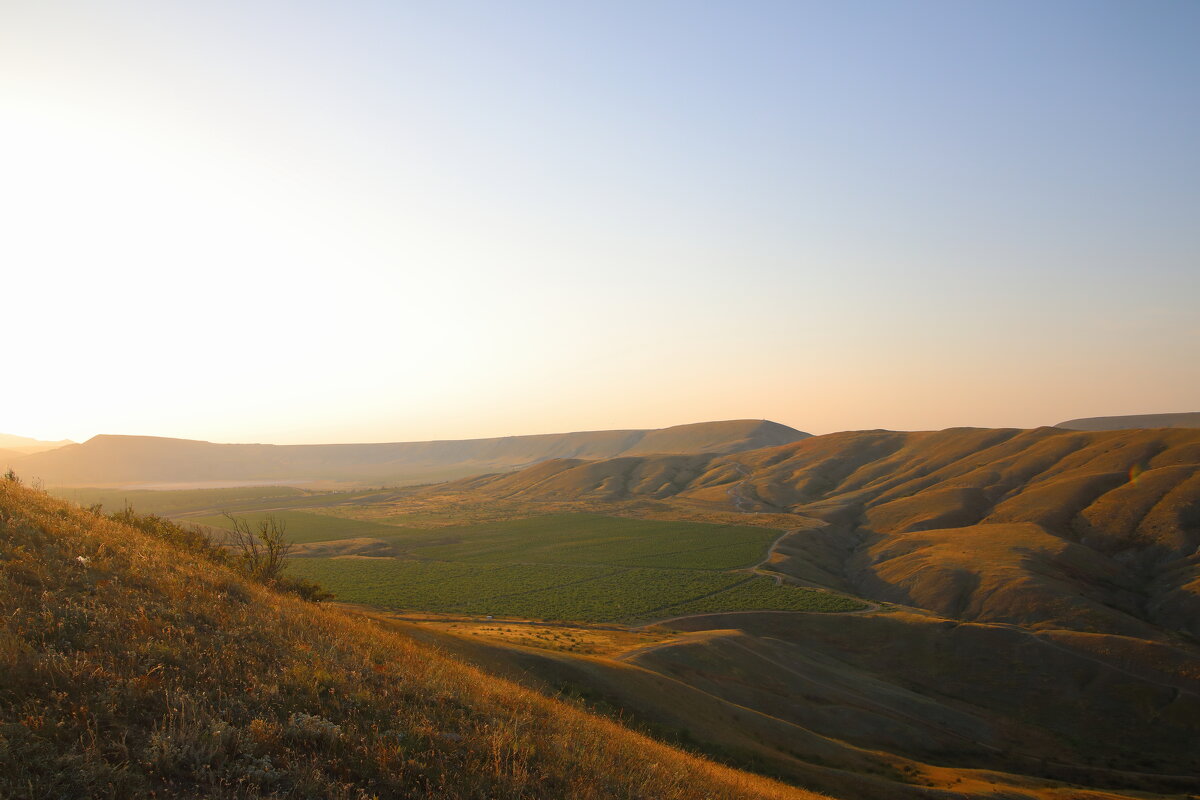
x: 1043, y: 639
x: 108, y: 461
x: 304, y: 527
x: 132, y: 667
x: 168, y: 502
x: 1096, y: 710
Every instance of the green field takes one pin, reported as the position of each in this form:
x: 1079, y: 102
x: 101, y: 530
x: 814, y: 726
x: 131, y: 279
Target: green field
x: 761, y: 593
x: 179, y: 501
x: 594, y: 539
x: 433, y: 586
x: 303, y: 527
x: 583, y: 567
x: 551, y: 540
x: 583, y: 593
x: 186, y: 503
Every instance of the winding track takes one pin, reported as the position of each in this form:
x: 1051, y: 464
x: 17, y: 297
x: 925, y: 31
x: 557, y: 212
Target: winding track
x: 735, y: 491
x: 758, y: 568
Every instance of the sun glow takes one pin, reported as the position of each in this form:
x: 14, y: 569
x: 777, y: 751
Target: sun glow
x: 217, y: 226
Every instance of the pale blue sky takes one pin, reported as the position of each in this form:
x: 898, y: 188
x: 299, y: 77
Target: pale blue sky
x: 319, y: 221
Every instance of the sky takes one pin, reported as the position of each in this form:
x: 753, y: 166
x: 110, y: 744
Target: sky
x: 315, y: 221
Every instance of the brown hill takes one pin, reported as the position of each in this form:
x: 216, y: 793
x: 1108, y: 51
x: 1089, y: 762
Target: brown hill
x: 1090, y: 530
x: 895, y: 705
x: 733, y: 436
x: 1041, y: 594
x: 1184, y: 420
x: 131, y: 460
x: 1103, y: 711
x: 134, y: 667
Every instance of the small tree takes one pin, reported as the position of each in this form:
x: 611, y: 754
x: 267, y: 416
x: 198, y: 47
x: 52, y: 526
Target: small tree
x: 263, y: 551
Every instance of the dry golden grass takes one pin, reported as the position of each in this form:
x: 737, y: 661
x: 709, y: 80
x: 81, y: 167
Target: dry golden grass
x: 133, y: 667
x: 579, y: 639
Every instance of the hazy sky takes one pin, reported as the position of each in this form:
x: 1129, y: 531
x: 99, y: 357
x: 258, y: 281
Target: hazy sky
x: 379, y: 221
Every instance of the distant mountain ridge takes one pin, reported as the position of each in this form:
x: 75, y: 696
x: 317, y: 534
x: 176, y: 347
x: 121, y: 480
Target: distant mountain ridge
x: 109, y: 460
x: 24, y: 445
x: 1189, y: 419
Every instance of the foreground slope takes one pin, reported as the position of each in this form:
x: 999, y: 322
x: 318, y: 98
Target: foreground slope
x: 127, y: 460
x: 133, y: 667
x: 895, y: 705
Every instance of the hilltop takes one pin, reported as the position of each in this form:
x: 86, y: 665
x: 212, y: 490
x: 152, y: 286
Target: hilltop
x: 133, y: 667
x: 1184, y: 420
x: 131, y: 460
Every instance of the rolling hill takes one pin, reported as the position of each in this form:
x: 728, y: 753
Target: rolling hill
x: 1093, y: 530
x: 136, y: 667
x: 1032, y: 633
x: 1184, y: 420
x: 134, y: 460
x: 1040, y: 618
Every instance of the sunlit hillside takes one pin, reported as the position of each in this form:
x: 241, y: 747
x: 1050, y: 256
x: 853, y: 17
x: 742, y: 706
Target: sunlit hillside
x: 132, y: 666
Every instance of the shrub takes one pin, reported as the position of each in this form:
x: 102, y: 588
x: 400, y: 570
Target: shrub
x: 263, y: 552
x: 304, y: 588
